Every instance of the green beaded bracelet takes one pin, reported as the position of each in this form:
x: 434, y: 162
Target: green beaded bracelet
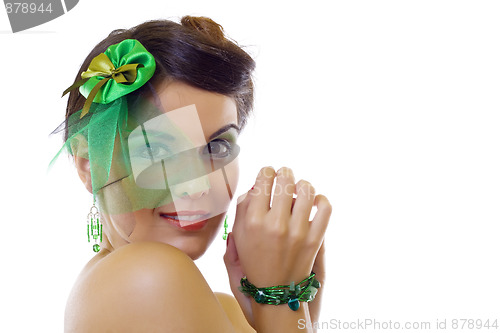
x: 292, y: 294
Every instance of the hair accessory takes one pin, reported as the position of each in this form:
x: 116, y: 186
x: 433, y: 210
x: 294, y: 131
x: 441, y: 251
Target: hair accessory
x: 292, y: 294
x: 224, y: 236
x: 120, y: 70
x: 135, y: 67
x: 94, y: 227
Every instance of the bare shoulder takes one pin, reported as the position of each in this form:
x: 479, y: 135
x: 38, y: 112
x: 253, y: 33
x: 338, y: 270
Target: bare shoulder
x: 144, y: 287
x: 234, y: 312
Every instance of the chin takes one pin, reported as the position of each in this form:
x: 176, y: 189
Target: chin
x: 195, y: 255
x: 193, y: 245
x: 193, y: 251
x: 196, y: 244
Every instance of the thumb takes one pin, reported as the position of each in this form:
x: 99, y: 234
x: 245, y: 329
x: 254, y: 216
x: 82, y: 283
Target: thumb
x: 232, y: 262
x: 235, y: 273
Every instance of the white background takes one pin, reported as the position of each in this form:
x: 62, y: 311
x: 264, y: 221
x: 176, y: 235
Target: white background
x: 390, y: 108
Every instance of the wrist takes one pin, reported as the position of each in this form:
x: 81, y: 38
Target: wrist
x: 274, y: 319
x: 292, y: 295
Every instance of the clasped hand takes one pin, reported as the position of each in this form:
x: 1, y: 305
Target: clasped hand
x: 273, y: 242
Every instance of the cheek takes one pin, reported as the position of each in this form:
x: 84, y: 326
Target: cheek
x: 225, y: 180
x: 223, y: 184
x: 233, y: 174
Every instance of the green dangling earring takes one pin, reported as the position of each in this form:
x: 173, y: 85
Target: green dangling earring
x: 94, y: 227
x: 224, y: 236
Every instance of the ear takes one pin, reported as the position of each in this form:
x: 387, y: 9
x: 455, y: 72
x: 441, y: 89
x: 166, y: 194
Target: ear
x: 80, y: 151
x: 83, y: 169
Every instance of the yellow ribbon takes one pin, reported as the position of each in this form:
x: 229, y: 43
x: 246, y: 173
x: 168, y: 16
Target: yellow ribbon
x: 101, y: 65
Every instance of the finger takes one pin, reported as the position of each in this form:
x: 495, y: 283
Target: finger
x: 303, y: 203
x: 261, y: 193
x: 241, y: 209
x: 242, y: 198
x: 231, y: 260
x: 283, y: 191
x: 319, y: 269
x: 319, y: 263
x: 235, y: 273
x: 322, y: 217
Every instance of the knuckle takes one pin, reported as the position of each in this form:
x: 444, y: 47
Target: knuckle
x: 278, y: 216
x: 253, y: 222
x: 289, y: 189
x: 267, y: 188
x: 328, y: 209
x: 284, y: 189
x: 252, y: 229
x: 305, y: 188
x: 242, y: 198
x: 310, y: 245
x: 324, y: 204
x: 276, y: 226
x: 256, y: 191
x: 297, y: 239
x: 278, y: 231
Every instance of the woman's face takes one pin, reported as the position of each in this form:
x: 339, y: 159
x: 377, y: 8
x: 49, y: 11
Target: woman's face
x: 184, y: 171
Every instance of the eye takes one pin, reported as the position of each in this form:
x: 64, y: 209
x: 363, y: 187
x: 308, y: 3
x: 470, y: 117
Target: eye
x: 156, y: 151
x: 217, y: 148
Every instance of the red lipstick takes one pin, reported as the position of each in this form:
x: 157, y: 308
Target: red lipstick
x: 186, y: 220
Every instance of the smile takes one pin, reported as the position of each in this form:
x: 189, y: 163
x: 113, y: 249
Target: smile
x: 188, y: 221
x: 184, y: 218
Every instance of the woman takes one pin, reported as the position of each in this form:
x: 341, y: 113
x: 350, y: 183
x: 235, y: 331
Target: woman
x: 153, y: 132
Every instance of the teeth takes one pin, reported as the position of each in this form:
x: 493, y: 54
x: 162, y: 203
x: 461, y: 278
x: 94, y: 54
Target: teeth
x: 188, y: 218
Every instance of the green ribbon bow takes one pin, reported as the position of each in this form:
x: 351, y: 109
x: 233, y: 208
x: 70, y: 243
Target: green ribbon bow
x: 121, y: 69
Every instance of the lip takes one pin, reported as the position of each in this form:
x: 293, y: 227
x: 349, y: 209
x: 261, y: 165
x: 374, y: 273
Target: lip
x: 194, y: 225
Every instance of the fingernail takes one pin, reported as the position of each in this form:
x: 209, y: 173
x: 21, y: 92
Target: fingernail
x: 266, y: 172
x: 285, y: 172
x: 269, y: 172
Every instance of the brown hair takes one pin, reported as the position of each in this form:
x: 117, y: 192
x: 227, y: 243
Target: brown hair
x: 195, y: 52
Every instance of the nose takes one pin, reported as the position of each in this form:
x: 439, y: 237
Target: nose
x: 192, y: 189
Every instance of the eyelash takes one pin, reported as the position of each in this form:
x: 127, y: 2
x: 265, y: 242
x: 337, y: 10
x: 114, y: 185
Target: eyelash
x: 227, y: 145
x: 147, y: 152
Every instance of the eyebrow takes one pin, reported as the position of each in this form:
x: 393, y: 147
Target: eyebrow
x: 154, y: 133
x: 166, y: 136
x: 158, y: 134
x: 224, y: 129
